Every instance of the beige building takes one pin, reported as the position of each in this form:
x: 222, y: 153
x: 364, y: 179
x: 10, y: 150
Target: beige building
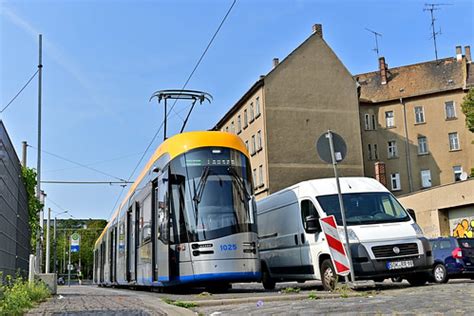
x: 282, y: 115
x: 446, y: 210
x: 414, y: 134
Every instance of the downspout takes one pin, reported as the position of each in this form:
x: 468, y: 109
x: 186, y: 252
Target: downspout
x: 407, y: 147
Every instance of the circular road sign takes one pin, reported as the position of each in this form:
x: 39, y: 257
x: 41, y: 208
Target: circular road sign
x: 324, y: 150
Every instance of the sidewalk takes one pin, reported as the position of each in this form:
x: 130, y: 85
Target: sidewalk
x: 92, y: 300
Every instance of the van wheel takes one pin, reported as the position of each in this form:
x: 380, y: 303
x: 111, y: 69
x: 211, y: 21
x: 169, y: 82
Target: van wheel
x: 328, y: 275
x: 417, y: 279
x: 267, y: 281
x: 439, y: 273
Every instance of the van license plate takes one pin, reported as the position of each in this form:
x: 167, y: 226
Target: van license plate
x: 400, y: 264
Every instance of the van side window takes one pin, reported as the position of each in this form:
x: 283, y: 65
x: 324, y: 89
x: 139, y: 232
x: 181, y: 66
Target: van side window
x: 307, y: 209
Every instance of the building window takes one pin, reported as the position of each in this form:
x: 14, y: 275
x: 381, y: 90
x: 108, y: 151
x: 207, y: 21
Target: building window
x: 419, y: 115
x: 450, y: 110
x: 246, y: 121
x: 259, y: 140
x: 392, y: 149
x: 252, y: 113
x: 370, y: 151
x: 453, y: 141
x: 260, y: 175
x: 395, y: 181
x: 370, y: 123
x: 457, y: 170
x: 253, y: 149
x: 247, y: 144
x: 254, y: 173
x: 257, y: 107
x: 389, y: 119
x: 425, y: 178
x: 239, y: 124
x: 232, y: 127
x: 376, y: 155
x: 422, y: 145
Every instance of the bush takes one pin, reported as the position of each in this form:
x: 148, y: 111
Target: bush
x: 18, y: 295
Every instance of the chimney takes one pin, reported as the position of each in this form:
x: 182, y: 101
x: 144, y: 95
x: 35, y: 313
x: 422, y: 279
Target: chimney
x: 318, y: 30
x: 276, y: 61
x: 383, y: 67
x: 467, y: 53
x: 380, y: 174
x: 458, y: 53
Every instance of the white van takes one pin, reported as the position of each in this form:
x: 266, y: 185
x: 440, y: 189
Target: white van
x: 385, y: 241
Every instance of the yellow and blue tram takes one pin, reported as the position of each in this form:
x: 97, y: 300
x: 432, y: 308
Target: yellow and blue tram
x: 190, y: 217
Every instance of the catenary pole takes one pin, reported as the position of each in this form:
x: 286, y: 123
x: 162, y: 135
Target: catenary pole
x: 48, y: 224
x: 38, y: 168
x: 24, y: 153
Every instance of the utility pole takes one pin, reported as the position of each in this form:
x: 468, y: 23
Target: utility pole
x: 24, y: 153
x: 55, y: 263
x: 48, y: 221
x: 38, y: 169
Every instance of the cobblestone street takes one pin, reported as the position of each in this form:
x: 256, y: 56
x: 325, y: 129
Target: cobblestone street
x: 454, y: 298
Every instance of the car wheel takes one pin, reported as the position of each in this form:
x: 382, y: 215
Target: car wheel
x: 439, y: 273
x: 267, y: 281
x: 417, y: 279
x: 328, y: 275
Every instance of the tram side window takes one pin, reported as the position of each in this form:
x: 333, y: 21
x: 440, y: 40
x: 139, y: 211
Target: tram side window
x: 145, y: 220
x: 177, y: 210
x: 163, y: 212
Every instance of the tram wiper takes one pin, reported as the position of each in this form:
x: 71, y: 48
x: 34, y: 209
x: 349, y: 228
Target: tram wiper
x: 202, y: 183
x: 238, y: 179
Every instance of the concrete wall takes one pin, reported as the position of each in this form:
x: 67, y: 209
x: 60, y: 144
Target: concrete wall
x: 308, y: 93
x: 433, y: 206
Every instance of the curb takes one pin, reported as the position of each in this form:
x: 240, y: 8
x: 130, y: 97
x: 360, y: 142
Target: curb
x: 230, y: 301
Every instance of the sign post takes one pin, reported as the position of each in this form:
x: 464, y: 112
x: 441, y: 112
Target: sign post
x: 74, y: 247
x: 335, y: 152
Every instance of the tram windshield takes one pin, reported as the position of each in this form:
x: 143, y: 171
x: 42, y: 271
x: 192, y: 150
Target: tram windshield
x: 211, y: 195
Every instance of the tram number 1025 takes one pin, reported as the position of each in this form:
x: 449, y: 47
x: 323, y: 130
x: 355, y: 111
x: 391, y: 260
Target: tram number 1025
x: 228, y: 247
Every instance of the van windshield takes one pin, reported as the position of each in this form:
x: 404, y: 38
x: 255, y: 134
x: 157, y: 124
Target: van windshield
x: 364, y: 208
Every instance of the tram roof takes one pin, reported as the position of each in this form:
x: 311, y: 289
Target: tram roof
x: 177, y: 145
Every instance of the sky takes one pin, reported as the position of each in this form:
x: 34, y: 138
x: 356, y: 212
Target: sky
x: 102, y: 60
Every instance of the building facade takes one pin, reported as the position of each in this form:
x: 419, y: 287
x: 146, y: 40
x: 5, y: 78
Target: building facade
x: 283, y: 114
x: 414, y: 134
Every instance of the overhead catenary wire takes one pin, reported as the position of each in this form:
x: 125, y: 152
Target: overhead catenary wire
x: 19, y: 92
x: 176, y: 100
x: 84, y: 182
x: 80, y: 164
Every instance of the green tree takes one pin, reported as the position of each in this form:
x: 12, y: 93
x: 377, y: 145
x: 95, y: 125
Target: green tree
x: 34, y: 205
x: 468, y: 109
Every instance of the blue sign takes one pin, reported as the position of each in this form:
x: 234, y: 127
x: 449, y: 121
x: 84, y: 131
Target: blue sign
x: 74, y: 248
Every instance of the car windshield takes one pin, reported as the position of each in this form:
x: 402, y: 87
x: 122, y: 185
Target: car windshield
x: 211, y: 194
x: 466, y: 242
x: 364, y: 208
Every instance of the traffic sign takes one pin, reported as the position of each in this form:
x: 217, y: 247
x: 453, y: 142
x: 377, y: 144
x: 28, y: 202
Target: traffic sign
x: 323, y: 147
x: 75, y: 241
x: 336, y: 248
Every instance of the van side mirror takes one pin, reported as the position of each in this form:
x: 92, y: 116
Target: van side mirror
x: 412, y: 213
x: 312, y: 224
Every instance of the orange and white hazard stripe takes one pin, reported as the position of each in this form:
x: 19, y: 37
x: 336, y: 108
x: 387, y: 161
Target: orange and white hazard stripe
x: 336, y: 247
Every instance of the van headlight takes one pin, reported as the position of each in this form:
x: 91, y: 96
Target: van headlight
x: 350, y: 233
x: 418, y: 231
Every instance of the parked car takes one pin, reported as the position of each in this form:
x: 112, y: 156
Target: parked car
x: 453, y: 258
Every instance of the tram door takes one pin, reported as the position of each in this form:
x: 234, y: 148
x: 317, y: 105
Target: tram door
x: 130, y: 261
x: 162, y: 227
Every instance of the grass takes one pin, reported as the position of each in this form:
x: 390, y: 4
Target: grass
x: 180, y: 303
x: 289, y: 290
x: 17, y: 295
x: 313, y: 296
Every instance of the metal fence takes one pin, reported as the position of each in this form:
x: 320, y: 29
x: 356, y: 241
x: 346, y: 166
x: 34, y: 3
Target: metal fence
x: 14, y: 228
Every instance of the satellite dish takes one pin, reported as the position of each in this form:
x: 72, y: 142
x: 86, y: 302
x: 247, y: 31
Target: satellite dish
x: 463, y: 176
